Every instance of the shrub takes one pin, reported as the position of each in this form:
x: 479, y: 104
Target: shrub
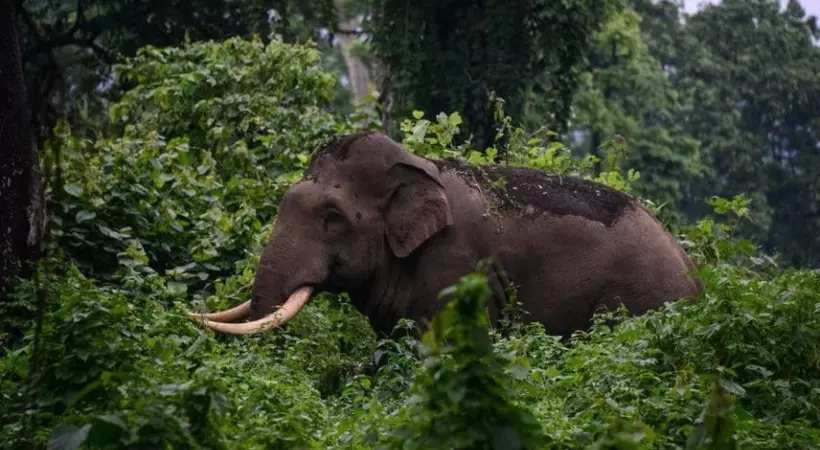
x: 202, y: 148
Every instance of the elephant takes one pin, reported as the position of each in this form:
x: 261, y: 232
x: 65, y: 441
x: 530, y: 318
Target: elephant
x: 393, y: 229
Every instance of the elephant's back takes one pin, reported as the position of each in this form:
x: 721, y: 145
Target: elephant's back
x: 529, y: 193
x: 654, y: 266
x: 566, y: 235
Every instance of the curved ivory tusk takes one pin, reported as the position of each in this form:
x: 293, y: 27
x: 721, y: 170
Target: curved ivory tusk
x: 229, y: 315
x: 292, y: 306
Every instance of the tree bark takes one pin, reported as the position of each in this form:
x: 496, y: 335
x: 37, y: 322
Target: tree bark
x: 597, y: 138
x: 356, y: 69
x: 21, y: 206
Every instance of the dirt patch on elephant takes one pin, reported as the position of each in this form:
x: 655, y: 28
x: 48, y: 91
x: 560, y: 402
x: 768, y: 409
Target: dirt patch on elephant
x: 528, y: 190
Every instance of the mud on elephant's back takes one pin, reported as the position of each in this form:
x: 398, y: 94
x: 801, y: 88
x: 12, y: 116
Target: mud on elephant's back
x: 509, y: 188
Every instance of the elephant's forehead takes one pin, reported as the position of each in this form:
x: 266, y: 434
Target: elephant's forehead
x: 359, y: 172
x: 306, y: 192
x: 356, y: 162
x: 310, y: 193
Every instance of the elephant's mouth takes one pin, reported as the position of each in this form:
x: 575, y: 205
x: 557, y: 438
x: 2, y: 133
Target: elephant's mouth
x: 218, y: 321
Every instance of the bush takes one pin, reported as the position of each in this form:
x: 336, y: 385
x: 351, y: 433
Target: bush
x: 206, y: 142
x: 461, y: 398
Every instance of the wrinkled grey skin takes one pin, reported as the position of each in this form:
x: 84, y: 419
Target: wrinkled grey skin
x: 393, y: 229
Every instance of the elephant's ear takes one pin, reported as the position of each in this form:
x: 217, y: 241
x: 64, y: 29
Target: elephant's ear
x: 418, y: 207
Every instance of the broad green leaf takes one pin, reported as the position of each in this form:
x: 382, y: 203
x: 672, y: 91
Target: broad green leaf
x: 73, y: 189
x: 68, y: 437
x: 84, y: 215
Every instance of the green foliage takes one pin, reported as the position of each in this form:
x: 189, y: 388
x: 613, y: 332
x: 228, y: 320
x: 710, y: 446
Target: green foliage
x: 125, y: 372
x: 624, y: 91
x: 710, y: 241
x: 211, y: 135
x: 79, y: 42
x: 452, y: 55
x: 522, y: 149
x: 120, y: 365
x: 461, y: 398
x: 750, y: 70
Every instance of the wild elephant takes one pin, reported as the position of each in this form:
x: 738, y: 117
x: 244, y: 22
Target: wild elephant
x: 393, y: 229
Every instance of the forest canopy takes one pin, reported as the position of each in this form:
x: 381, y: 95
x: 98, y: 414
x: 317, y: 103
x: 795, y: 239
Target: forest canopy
x: 162, y: 184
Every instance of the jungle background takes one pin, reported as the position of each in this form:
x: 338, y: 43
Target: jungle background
x: 146, y: 144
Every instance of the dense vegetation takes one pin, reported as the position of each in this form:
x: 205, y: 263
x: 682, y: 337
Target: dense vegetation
x: 721, y: 102
x: 167, y: 210
x: 455, y: 55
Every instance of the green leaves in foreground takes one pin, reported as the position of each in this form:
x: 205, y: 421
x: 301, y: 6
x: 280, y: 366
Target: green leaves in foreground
x: 740, y: 368
x: 462, y: 398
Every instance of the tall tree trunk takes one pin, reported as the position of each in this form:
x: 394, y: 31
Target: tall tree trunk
x: 597, y: 138
x: 384, y: 101
x: 356, y: 68
x: 21, y: 206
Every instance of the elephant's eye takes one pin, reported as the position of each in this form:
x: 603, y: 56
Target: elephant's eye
x: 332, y: 217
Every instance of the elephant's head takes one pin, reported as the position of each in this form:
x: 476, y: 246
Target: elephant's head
x: 363, y: 200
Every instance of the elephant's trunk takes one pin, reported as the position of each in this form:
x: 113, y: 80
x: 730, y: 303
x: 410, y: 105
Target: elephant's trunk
x: 289, y: 271
x: 273, y: 283
x: 287, y: 311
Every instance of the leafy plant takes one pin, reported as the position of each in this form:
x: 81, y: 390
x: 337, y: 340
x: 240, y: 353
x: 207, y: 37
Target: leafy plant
x: 460, y: 398
x: 211, y: 136
x: 523, y: 149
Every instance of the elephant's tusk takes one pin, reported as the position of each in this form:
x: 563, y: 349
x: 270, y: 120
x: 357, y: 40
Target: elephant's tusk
x: 292, y: 306
x: 229, y: 315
